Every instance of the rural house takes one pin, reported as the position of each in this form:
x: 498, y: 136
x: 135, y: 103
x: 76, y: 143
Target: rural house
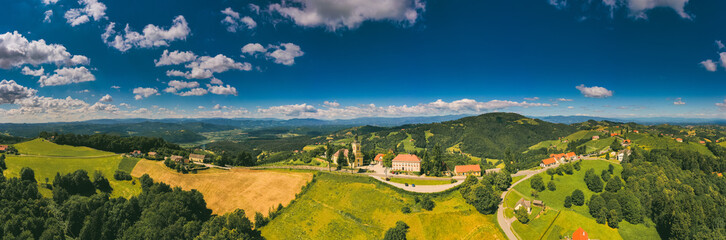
x: 196, y: 157
x: 379, y: 157
x: 523, y: 203
x: 151, y: 154
x: 3, y: 148
x: 679, y: 140
x: 595, y: 137
x: 407, y: 162
x: 580, y: 234
x: 548, y: 162
x: 336, y: 154
x: 464, y: 170
x: 136, y: 153
x: 179, y: 159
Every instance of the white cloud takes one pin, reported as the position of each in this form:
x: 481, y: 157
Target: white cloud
x: 10, y: 91
x: 570, y: 107
x: 175, y: 86
x: 16, y: 50
x: 332, y: 104
x: 49, y: 2
x: 99, y: 106
x: 564, y: 100
x: 722, y: 105
x: 38, y: 72
x: 709, y: 65
x: 722, y: 57
x: 194, y: 92
x: 720, y: 44
x: 635, y: 8
x: 152, y: 36
x: 254, y: 8
x: 175, y: 58
x: 289, y: 110
x: 48, y: 14
x: 286, y: 53
x: 142, y: 92
x: 234, y: 21
x: 216, y: 81
x: 115, y: 87
x: 65, y: 76
x: 206, y: 66
x: 252, y: 48
x: 106, y: 98
x: 200, y: 107
x: 594, y: 91
x: 348, y: 14
x: 679, y: 101
x: 532, y: 99
x: 126, y: 105
x: 222, y: 90
x: 217, y: 107
x: 90, y: 9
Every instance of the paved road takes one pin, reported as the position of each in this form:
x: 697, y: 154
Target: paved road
x: 504, y: 223
x: 420, y: 188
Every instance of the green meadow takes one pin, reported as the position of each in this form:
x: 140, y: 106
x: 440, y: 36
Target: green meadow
x: 43, y: 147
x: 338, y: 206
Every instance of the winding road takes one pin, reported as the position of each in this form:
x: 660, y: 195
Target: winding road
x: 504, y: 223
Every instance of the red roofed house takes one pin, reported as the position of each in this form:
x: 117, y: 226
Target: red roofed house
x: 614, y: 134
x: 679, y: 140
x: 580, y: 234
x: 407, y: 162
x: 595, y: 137
x: 635, y: 131
x: 702, y: 142
x: 136, y: 153
x: 3, y: 148
x: 571, y: 156
x: 463, y: 170
x: 548, y: 162
x: 379, y: 157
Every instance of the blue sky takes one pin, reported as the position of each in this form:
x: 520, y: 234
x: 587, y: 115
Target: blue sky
x: 334, y: 59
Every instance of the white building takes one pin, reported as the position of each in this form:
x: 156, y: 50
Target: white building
x: 407, y: 162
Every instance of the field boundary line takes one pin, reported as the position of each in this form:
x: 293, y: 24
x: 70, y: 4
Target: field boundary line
x: 550, y: 226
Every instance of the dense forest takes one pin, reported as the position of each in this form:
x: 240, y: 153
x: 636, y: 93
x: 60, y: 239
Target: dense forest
x: 159, y: 212
x: 113, y: 143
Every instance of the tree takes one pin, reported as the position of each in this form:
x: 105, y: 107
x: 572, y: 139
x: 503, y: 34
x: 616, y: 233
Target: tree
x: 398, y: 232
x: 551, y: 186
x: 605, y: 175
x: 522, y: 215
x: 329, y: 155
x: 342, y: 160
x: 578, y: 198
x: 611, y: 169
x: 613, y: 219
x: 101, y: 183
x: 388, y: 162
x: 260, y: 220
x: 568, y: 201
x: 615, y: 145
x: 601, y: 216
x: 577, y: 165
x: 406, y: 209
x: 483, y: 198
x: 551, y: 172
x: 146, y: 182
x: 537, y: 184
x: 510, y: 161
x: 503, y: 180
x: 593, y: 181
x: 595, y: 204
x: 427, y: 203
x: 632, y: 210
x: 2, y: 162
x: 613, y: 204
x: 614, y: 184
x: 27, y: 174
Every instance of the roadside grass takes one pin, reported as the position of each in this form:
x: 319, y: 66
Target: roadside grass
x: 517, y: 178
x: 420, y: 181
x: 47, y: 167
x: 43, y: 147
x: 341, y: 206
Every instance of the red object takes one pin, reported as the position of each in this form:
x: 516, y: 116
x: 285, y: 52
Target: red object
x: 467, y: 168
x: 406, y: 158
x: 580, y: 234
x: 549, y: 161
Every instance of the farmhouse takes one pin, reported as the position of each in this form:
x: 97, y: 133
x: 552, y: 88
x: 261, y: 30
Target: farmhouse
x: 580, y: 234
x: 196, y: 157
x: 151, y: 154
x: 407, y: 162
x: 379, y: 157
x: 463, y: 170
x: 548, y: 162
x: 635, y: 131
x: 136, y: 153
x: 176, y: 158
x: 614, y: 134
x: 3, y: 148
x: 679, y: 140
x: 595, y: 137
x: 524, y: 203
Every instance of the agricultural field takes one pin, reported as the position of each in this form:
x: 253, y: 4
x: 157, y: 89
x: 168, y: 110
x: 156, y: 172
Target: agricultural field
x: 651, y: 142
x: 560, y: 144
x: 227, y: 190
x: 564, y: 223
x: 341, y: 206
x: 42, y: 147
x: 46, y: 166
x: 595, y: 146
x: 421, y: 181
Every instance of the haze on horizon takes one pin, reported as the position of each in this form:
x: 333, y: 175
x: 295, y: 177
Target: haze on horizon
x: 64, y: 60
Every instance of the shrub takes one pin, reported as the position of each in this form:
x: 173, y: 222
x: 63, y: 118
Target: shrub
x: 427, y: 204
x: 537, y: 183
x: 398, y: 232
x: 406, y: 209
x: 578, y: 198
x: 522, y: 215
x: 568, y: 202
x: 27, y: 174
x: 551, y: 186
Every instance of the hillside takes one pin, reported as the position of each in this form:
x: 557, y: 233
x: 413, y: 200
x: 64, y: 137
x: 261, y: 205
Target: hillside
x: 484, y: 136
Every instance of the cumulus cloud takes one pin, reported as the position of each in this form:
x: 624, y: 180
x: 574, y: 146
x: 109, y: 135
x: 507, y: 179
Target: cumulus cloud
x: 48, y: 14
x: 234, y: 21
x: 115, y: 87
x: 106, y: 98
x: 289, y: 110
x: 16, y: 50
x: 216, y: 81
x: 532, y: 99
x: 348, y: 14
x: 10, y: 91
x: 285, y: 53
x: 175, y: 86
x: 222, y: 90
x: 49, y: 2
x: 252, y: 48
x: 99, y: 106
x: 175, y: 58
x: 194, y: 92
x: 709, y: 65
x: 205, y: 66
x: 720, y: 44
x: 722, y: 57
x: 564, y: 100
x: 142, y: 92
x: 594, y: 91
x: 217, y: 107
x: 332, y: 104
x: 89, y: 9
x: 634, y: 8
x: 65, y: 76
x: 38, y: 72
x: 722, y: 105
x: 152, y: 36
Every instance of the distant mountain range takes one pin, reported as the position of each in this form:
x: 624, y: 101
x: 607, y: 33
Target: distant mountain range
x: 645, y: 121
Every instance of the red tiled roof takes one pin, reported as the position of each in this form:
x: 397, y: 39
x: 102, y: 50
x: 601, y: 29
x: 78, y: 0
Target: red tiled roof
x: 3, y: 147
x: 570, y: 154
x: 379, y: 157
x: 406, y: 158
x: 580, y: 234
x: 467, y: 168
x: 549, y: 161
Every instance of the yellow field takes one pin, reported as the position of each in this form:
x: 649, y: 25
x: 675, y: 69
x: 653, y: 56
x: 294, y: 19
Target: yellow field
x: 225, y: 191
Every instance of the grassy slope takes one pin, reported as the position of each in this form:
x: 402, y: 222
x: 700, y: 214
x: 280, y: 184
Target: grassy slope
x: 45, y: 148
x: 555, y: 200
x: 45, y: 167
x: 560, y: 145
x: 597, y: 145
x: 354, y: 207
x: 649, y: 142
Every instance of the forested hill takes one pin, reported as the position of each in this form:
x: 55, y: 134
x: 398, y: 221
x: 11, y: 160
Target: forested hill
x: 488, y: 135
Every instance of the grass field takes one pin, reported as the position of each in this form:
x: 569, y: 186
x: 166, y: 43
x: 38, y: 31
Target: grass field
x: 127, y: 164
x: 225, y: 191
x: 650, y: 142
x: 597, y: 145
x: 420, y: 181
x: 576, y: 216
x: 562, y: 146
x: 46, y: 166
x: 43, y: 147
x: 357, y: 207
